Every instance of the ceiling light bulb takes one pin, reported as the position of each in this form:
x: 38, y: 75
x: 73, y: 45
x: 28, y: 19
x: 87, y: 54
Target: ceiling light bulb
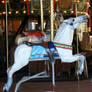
x: 17, y: 12
x: 24, y: 12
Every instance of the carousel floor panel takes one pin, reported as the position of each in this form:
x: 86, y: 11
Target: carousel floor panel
x: 61, y: 86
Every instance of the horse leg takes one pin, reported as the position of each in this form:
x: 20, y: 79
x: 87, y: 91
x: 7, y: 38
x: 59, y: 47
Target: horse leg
x: 81, y: 59
x: 73, y: 58
x: 81, y: 64
x: 85, y: 69
x: 10, y: 71
x: 21, y: 59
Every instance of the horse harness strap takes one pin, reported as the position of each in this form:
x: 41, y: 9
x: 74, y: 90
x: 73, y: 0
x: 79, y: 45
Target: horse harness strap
x: 63, y: 45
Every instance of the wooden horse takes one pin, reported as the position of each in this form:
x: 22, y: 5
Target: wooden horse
x: 63, y: 43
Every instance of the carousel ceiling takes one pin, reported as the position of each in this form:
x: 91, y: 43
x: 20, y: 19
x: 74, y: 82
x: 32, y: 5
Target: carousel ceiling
x: 19, y: 7
x: 19, y: 4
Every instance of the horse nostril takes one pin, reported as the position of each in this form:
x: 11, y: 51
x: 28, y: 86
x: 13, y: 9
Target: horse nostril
x: 71, y: 24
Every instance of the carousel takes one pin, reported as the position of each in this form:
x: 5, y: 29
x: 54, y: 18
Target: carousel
x: 57, y: 37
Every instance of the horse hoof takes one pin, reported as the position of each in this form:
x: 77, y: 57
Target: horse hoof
x: 5, y: 89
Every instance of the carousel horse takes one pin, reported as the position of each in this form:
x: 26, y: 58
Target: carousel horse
x: 62, y: 42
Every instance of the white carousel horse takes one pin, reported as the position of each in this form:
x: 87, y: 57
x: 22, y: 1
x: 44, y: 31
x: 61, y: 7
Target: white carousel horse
x: 63, y: 43
x: 64, y: 38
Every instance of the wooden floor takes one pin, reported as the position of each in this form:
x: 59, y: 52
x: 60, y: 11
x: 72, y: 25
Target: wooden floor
x: 61, y: 86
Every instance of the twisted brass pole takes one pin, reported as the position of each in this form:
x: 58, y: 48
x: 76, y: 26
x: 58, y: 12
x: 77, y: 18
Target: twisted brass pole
x: 42, y: 17
x: 52, y: 20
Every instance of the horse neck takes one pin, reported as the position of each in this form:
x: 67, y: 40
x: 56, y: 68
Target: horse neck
x: 64, y: 36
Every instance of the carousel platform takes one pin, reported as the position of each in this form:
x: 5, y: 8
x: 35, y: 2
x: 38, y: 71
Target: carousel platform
x: 61, y: 86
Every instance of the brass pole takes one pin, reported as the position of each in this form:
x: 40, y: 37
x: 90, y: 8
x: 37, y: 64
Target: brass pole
x: 77, y: 63
x: 7, y: 51
x: 77, y: 29
x: 52, y: 21
x: 42, y: 18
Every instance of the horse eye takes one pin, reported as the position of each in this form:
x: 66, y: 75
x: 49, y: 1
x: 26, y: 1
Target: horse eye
x: 73, y: 20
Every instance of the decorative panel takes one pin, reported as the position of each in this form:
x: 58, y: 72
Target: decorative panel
x: 82, y: 5
x: 36, y: 4
x: 65, y: 4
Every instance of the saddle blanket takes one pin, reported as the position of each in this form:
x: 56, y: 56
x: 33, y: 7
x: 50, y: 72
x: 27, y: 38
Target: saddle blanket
x: 40, y: 52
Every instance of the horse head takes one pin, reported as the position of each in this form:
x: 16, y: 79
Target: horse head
x: 65, y: 32
x: 75, y: 22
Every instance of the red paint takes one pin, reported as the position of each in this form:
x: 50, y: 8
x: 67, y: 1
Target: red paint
x: 37, y: 34
x: 54, y: 5
x: 27, y: 7
x: 5, y: 3
x: 75, y: 10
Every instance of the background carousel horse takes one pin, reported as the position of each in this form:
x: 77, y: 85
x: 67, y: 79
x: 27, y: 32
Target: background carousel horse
x: 62, y: 42
x: 39, y: 36
x: 83, y: 39
x: 33, y: 37
x: 81, y: 29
